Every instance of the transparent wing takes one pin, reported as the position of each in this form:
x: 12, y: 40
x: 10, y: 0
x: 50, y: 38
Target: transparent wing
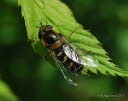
x: 78, y: 55
x: 66, y: 73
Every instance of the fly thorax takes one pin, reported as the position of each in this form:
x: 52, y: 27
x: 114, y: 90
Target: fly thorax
x: 50, y: 37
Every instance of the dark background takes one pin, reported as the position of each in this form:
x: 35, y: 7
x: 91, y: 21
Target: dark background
x: 34, y: 79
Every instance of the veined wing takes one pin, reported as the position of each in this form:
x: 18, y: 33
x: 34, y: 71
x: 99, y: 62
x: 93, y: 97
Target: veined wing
x: 78, y: 55
x: 66, y: 73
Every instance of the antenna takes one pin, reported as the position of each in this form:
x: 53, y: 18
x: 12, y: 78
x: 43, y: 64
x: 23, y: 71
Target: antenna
x: 41, y: 24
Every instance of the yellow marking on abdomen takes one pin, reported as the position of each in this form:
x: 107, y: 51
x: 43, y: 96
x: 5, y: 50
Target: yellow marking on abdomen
x: 65, y: 59
x: 59, y: 54
x: 71, y: 64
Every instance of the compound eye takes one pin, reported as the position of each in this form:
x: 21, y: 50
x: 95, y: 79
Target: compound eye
x: 49, y: 27
x: 41, y: 33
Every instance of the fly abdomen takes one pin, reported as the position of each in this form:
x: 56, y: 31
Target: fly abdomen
x: 66, y: 61
x: 75, y: 67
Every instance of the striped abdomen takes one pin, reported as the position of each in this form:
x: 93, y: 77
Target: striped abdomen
x: 66, y: 61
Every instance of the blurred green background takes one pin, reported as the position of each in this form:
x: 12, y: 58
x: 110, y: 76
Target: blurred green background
x: 31, y: 78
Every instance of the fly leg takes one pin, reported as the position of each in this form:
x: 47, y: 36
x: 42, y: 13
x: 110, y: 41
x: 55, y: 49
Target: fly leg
x: 72, y: 33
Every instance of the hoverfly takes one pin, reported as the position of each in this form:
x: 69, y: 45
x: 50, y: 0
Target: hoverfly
x: 68, y: 56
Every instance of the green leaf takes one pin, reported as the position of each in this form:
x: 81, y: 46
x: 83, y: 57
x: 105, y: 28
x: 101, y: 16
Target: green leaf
x: 57, y: 14
x: 6, y: 94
